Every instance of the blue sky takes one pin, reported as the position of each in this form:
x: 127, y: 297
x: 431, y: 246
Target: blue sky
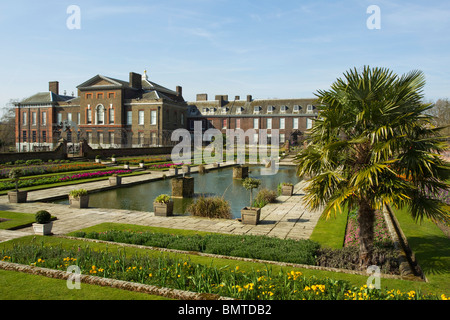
x: 269, y: 49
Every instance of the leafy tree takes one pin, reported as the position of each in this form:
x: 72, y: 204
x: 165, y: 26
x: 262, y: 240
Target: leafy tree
x: 374, y: 144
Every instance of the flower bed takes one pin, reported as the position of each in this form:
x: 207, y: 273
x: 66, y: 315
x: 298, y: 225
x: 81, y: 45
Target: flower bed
x: 51, y: 168
x: 184, y: 275
x: 248, y: 246
x: 89, y: 175
x: 382, y: 237
x: 164, y: 166
x: 144, y: 159
x: 25, y: 183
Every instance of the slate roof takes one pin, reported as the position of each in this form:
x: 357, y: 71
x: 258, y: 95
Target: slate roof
x: 113, y: 82
x: 153, y: 90
x: 268, y: 107
x: 45, y: 98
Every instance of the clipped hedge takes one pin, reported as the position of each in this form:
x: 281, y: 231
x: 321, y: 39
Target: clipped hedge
x: 248, y: 246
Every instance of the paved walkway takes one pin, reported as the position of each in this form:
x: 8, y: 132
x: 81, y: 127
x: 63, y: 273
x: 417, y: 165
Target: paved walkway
x: 288, y: 218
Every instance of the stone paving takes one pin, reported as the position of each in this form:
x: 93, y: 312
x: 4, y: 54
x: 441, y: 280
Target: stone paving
x: 288, y: 218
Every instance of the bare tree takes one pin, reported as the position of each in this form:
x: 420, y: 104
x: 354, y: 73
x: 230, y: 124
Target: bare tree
x: 441, y: 112
x: 7, y: 127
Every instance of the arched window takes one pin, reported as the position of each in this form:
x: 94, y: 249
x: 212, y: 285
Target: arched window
x: 100, y: 114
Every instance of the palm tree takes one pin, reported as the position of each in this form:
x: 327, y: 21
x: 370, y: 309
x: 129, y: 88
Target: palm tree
x: 373, y: 144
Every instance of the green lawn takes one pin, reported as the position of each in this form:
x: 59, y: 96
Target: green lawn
x: 431, y: 248
x: 102, y: 227
x: 15, y: 219
x: 331, y: 232
x: 23, y: 286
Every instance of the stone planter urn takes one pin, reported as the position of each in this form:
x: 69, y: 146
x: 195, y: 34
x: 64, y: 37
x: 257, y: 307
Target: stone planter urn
x: 250, y: 215
x: 43, y: 229
x: 113, y: 160
x: 183, y: 187
x: 186, y: 169
x: 240, y: 172
x: 79, y: 199
x: 43, y: 225
x: 163, y: 206
x: 17, y: 196
x: 115, y: 181
x: 163, y: 209
x: 216, y: 165
x: 141, y: 164
x: 201, y: 169
x: 287, y: 190
x: 173, y: 170
x: 126, y: 166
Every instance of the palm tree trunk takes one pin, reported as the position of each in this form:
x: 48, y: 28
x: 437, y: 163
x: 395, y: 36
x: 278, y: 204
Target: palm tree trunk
x: 366, y: 219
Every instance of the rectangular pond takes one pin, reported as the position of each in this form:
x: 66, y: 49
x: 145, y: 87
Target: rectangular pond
x: 217, y: 182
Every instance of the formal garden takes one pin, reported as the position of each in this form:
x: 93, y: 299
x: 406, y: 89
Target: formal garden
x: 354, y: 164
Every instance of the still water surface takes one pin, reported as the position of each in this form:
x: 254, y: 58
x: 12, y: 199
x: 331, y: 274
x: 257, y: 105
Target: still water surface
x: 217, y: 182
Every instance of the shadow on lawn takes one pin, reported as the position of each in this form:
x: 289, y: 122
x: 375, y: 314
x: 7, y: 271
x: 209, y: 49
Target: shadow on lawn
x: 432, y: 253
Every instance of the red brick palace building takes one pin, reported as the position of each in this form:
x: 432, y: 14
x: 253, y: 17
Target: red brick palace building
x: 112, y: 113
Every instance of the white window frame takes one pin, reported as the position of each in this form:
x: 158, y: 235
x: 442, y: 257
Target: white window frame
x: 269, y: 123
x: 141, y: 117
x: 100, y: 114
x: 129, y: 118
x: 282, y: 123
x: 33, y: 118
x: 89, y: 116
x: 111, y: 116
x: 153, y: 117
x: 295, y: 123
x: 255, y: 123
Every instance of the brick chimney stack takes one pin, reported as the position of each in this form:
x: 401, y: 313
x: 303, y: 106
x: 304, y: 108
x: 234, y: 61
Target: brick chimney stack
x: 202, y: 97
x: 135, y: 80
x: 179, y: 91
x: 53, y: 86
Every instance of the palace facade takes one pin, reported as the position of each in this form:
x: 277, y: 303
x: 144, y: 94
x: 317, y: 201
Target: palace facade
x: 112, y: 113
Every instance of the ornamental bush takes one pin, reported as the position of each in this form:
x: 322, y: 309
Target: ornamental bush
x: 264, y: 197
x: 163, y: 198
x: 43, y: 217
x: 78, y: 193
x: 210, y: 207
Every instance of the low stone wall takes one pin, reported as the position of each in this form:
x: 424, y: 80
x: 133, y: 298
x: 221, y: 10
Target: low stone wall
x: 90, y: 153
x: 59, y: 153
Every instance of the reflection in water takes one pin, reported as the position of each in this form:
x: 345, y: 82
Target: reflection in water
x: 217, y: 182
